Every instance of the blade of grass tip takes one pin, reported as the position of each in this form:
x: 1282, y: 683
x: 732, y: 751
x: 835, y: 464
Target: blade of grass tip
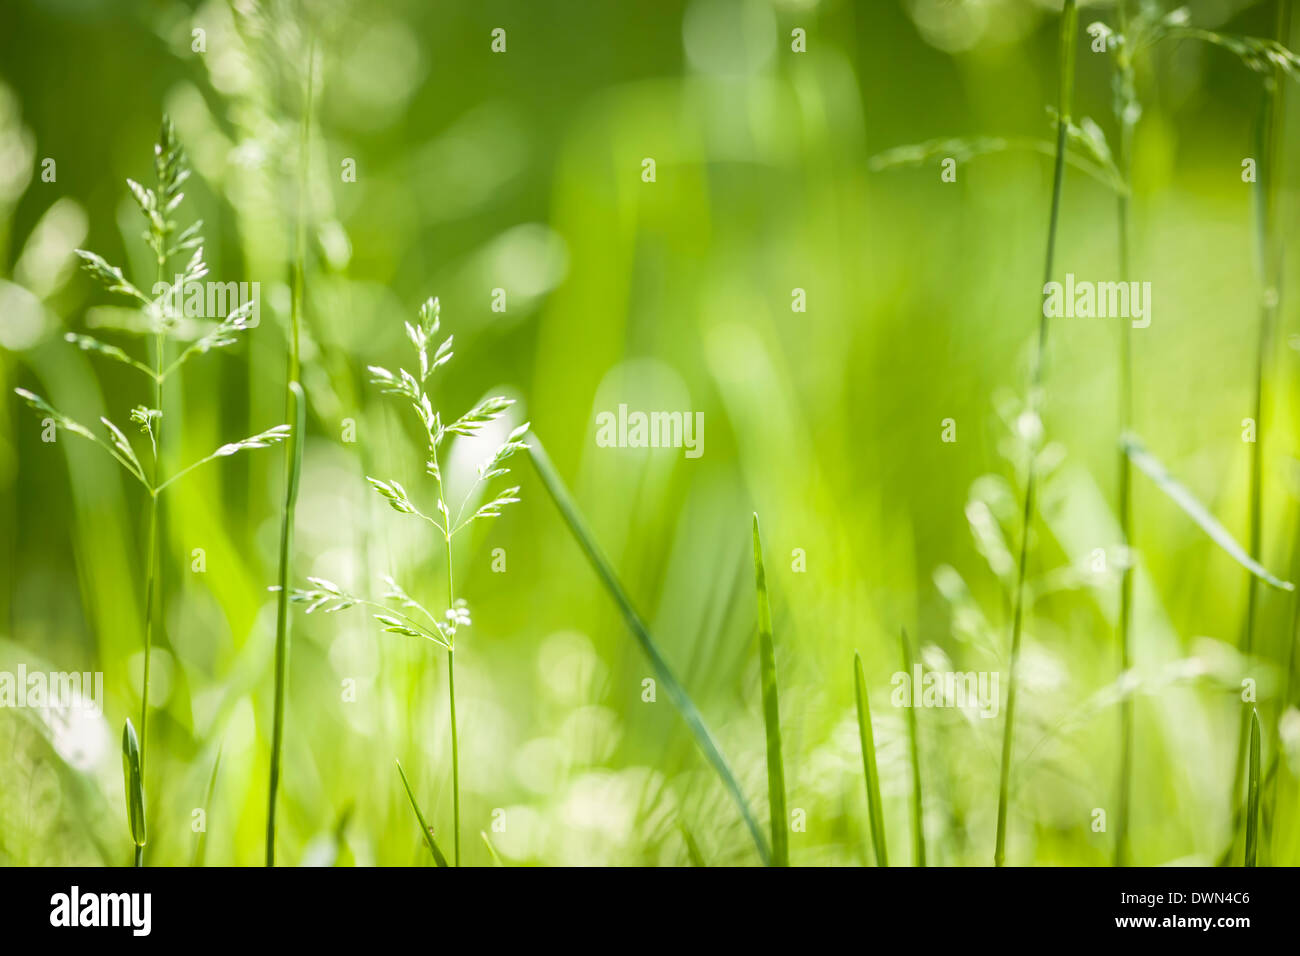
x: 1252, y: 792
x: 875, y: 811
x: 492, y: 851
x: 676, y: 692
x: 918, y: 821
x: 1069, y: 29
x: 293, y: 465
x: 438, y: 858
x: 771, y: 710
x: 1185, y: 500
x: 201, y: 846
x: 134, y: 789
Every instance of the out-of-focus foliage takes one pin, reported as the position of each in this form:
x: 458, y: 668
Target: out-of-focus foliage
x: 439, y: 167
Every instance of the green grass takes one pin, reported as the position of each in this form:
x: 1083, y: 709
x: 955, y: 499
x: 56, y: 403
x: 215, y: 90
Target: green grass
x: 133, y: 776
x: 676, y: 692
x: 425, y: 829
x: 771, y: 712
x: 866, y: 738
x: 1069, y: 27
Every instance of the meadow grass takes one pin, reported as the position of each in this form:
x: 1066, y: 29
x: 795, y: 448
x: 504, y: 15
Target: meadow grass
x: 297, y: 415
x: 440, y: 631
x: 914, y: 750
x: 771, y: 712
x: 677, y: 694
x: 162, y: 316
x: 867, y: 740
x: 425, y: 829
x: 133, y: 777
x: 1069, y: 25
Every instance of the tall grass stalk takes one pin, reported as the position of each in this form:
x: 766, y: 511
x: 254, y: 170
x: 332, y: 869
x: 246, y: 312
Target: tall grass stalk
x: 676, y: 692
x: 161, y: 314
x: 297, y: 415
x: 771, y: 711
x: 1069, y: 27
x: 440, y: 631
x: 866, y: 737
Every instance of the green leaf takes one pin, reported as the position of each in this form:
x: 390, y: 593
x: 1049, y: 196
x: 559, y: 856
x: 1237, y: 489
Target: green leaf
x: 771, y: 711
x: 134, y: 784
x: 1185, y: 500
x: 866, y: 737
x: 438, y: 858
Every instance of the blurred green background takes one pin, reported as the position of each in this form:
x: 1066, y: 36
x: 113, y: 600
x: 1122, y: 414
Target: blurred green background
x: 522, y: 171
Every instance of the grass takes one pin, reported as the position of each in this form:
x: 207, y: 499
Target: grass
x: 162, y: 317
x: 297, y: 415
x: 914, y: 750
x: 676, y: 692
x: 1069, y: 25
x: 875, y: 810
x: 425, y: 829
x: 441, y: 631
x: 771, y: 712
x: 133, y: 777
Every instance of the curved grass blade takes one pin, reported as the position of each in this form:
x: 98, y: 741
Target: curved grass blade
x: 1157, y: 472
x: 676, y: 692
x: 918, y: 821
x: 771, y: 711
x: 134, y: 789
x: 1252, y: 793
x: 438, y: 858
x: 875, y: 811
x: 293, y: 467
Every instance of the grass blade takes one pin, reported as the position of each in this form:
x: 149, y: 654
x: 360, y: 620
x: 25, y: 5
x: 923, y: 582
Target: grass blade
x: 134, y: 789
x: 1069, y: 28
x: 771, y: 711
x: 438, y: 858
x: 875, y: 811
x: 293, y: 466
x: 692, y: 847
x: 1185, y: 500
x: 918, y: 821
x: 1252, y: 792
x: 676, y: 692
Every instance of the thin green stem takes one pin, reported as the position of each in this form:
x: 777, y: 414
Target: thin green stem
x: 455, y: 743
x: 296, y: 414
x: 1069, y: 24
x: 914, y: 746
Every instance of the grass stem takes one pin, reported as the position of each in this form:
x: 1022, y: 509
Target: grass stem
x: 1069, y: 26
